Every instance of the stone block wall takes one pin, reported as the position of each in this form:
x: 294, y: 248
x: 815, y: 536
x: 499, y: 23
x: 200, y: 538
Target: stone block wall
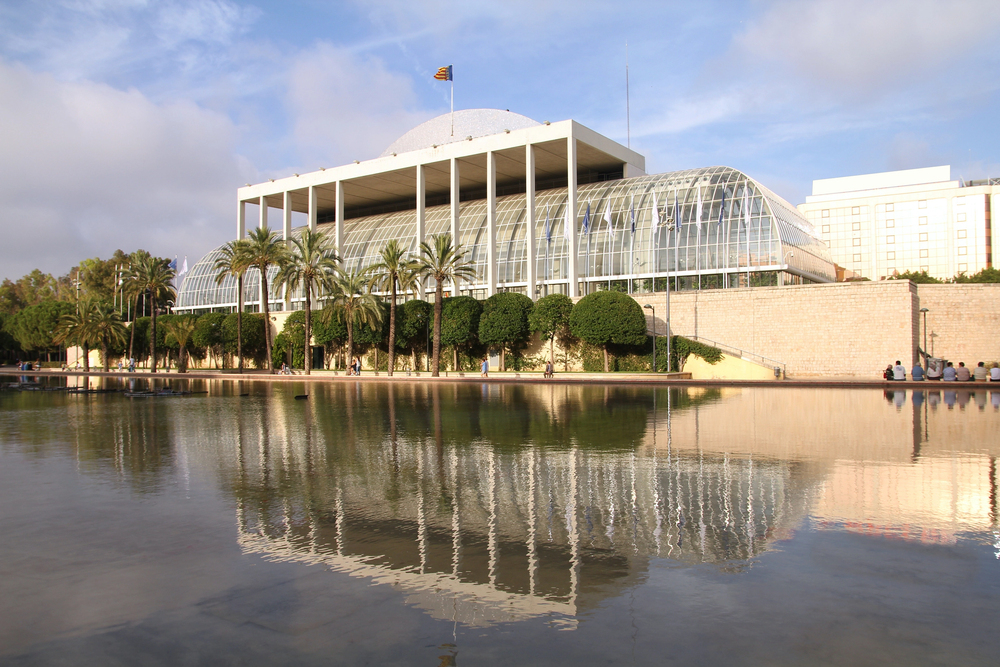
x: 963, y: 321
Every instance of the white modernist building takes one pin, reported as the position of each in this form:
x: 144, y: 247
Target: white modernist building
x: 539, y: 208
x: 914, y: 220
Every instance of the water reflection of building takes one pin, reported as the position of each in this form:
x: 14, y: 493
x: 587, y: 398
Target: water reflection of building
x: 481, y: 532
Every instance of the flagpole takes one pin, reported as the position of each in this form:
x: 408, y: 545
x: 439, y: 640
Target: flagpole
x: 628, y: 115
x: 453, y: 105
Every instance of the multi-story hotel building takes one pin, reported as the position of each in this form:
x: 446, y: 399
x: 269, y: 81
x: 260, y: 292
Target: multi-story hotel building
x: 877, y: 225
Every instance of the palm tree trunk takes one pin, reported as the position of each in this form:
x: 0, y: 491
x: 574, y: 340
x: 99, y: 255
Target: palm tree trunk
x: 104, y: 355
x: 392, y: 328
x: 152, y: 336
x: 182, y: 360
x: 131, y: 340
x: 86, y: 359
x: 552, y: 349
x: 605, y: 358
x: 307, y: 362
x: 239, y: 320
x: 438, y: 297
x: 265, y: 308
x: 350, y: 342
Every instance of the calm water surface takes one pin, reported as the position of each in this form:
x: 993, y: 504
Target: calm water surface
x: 420, y: 524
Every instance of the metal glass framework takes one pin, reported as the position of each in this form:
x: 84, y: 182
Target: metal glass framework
x: 631, y: 234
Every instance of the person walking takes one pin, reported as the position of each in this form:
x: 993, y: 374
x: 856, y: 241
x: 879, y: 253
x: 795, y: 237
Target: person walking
x: 484, y: 368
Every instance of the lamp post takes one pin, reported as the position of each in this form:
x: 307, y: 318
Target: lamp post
x: 654, y: 334
x: 924, y: 311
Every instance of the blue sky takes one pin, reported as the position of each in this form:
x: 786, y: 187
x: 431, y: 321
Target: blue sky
x: 130, y: 123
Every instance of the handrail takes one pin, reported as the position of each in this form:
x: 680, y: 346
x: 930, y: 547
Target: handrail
x: 753, y: 356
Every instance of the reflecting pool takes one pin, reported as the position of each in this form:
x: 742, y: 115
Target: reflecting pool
x: 457, y: 524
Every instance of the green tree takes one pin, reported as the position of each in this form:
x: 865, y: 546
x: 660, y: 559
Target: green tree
x: 920, y: 277
x: 550, y: 319
x: 208, y: 334
x: 605, y: 318
x: 311, y: 264
x: 153, y: 277
x: 35, y: 327
x: 290, y: 343
x: 460, y: 324
x: 987, y: 275
x: 131, y: 290
x: 444, y: 263
x: 352, y: 301
x: 263, y: 250
x: 75, y: 328
x: 330, y: 332
x: 504, y: 323
x: 247, y: 331
x: 392, y: 272
x: 182, y: 327
x: 106, y: 329
x: 415, y: 316
x: 233, y: 261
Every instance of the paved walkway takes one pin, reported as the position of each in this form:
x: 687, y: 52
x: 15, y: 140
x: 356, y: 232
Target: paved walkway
x: 674, y: 379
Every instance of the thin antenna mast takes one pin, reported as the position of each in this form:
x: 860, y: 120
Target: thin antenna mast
x: 628, y: 115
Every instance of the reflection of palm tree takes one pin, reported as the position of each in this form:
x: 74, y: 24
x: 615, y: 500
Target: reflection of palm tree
x: 154, y: 277
x: 352, y: 301
x: 443, y: 262
x: 393, y: 271
x: 233, y: 262
x: 263, y: 250
x: 310, y: 264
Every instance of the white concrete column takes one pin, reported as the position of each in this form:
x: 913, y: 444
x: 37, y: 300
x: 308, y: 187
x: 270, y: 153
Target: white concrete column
x: 241, y: 219
x: 263, y: 213
x: 456, y: 231
x: 421, y: 204
x: 263, y: 225
x: 571, y: 252
x: 286, y: 234
x: 491, y: 223
x: 313, y: 207
x: 338, y: 225
x: 529, y: 235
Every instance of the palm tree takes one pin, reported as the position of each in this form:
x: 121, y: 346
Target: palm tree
x: 130, y: 288
x: 154, y: 277
x: 352, y: 301
x: 444, y: 263
x: 394, y: 271
x: 263, y: 250
x: 106, y: 328
x: 311, y: 264
x: 232, y: 262
x: 181, y: 329
x: 75, y: 328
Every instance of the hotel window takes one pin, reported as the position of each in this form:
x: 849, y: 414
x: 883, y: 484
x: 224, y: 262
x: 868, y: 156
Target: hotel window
x: 961, y: 233
x: 924, y: 253
x: 923, y: 220
x: 890, y: 223
x: 963, y: 267
x: 826, y: 229
x: 960, y: 217
x: 856, y: 226
x: 889, y: 208
x: 890, y: 255
x: 963, y: 250
x: 857, y: 241
x: 857, y: 258
x: 923, y: 236
x: 922, y: 203
x: 890, y: 239
x: 825, y: 213
x: 856, y: 210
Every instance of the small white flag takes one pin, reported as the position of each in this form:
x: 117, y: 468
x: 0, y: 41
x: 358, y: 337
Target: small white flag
x: 607, y: 219
x: 566, y: 223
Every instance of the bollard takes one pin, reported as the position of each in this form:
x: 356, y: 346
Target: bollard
x: 777, y: 372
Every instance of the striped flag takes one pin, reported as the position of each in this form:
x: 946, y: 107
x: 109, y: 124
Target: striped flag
x: 548, y: 227
x: 631, y: 213
x: 586, y: 220
x: 677, y: 213
x: 607, y: 219
x: 444, y: 74
x: 722, y: 206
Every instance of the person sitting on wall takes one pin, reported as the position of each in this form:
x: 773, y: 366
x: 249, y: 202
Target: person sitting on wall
x: 548, y: 369
x: 962, y: 373
x: 887, y: 374
x: 918, y: 373
x: 995, y: 372
x: 980, y: 372
x: 899, y: 372
x: 949, y: 373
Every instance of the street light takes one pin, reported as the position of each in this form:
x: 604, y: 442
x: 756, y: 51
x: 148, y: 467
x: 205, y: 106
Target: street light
x: 924, y: 311
x: 654, y: 334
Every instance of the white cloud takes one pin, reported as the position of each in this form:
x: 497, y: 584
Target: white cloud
x: 348, y: 107
x: 859, y: 47
x: 88, y: 169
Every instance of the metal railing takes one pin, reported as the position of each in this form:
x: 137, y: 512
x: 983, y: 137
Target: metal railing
x: 753, y: 357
